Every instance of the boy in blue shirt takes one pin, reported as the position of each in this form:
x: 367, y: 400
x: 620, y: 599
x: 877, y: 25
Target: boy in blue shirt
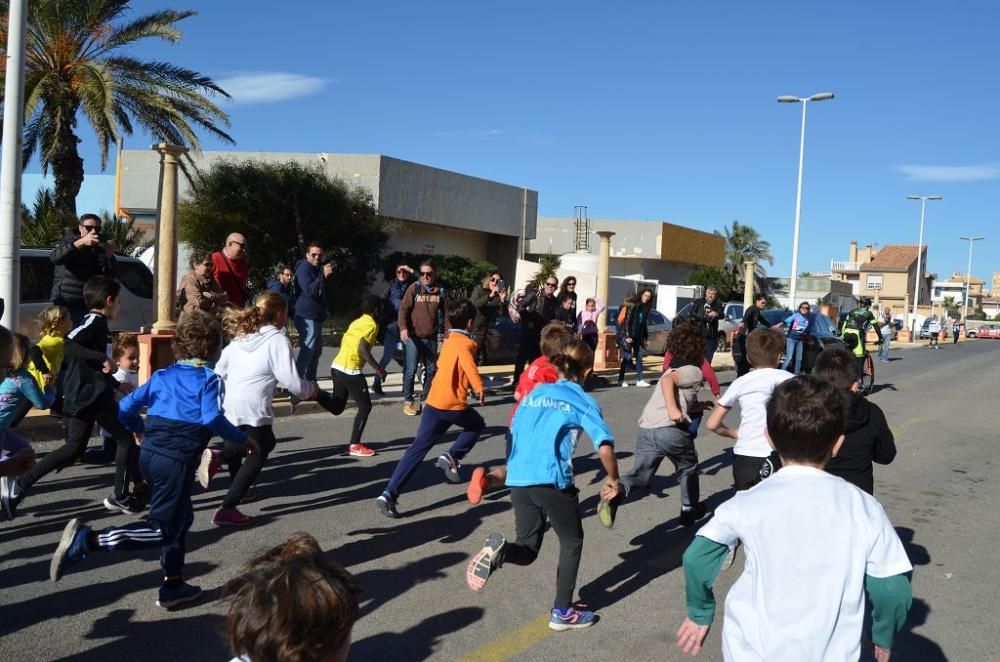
x: 544, y: 433
x: 184, y: 410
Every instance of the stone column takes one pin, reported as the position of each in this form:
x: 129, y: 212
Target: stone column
x: 166, y: 238
x: 748, y: 283
x: 603, y: 273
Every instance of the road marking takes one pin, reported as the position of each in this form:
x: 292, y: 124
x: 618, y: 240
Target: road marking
x: 513, y: 643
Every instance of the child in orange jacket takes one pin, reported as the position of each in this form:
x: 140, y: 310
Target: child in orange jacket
x: 447, y: 405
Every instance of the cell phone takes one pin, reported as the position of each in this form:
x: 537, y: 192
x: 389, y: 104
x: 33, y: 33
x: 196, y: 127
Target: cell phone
x: 501, y: 285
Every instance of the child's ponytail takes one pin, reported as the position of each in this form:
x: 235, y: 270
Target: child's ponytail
x: 575, y: 360
x: 244, y: 321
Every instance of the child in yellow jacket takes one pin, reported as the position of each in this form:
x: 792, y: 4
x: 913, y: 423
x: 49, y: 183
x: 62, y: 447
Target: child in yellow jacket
x: 447, y: 405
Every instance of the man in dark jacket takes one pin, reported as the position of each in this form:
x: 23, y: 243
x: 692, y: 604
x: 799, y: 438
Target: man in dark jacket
x: 390, y: 322
x: 310, y: 309
x: 282, y: 285
x: 80, y: 255
x: 707, y: 311
x: 537, y: 308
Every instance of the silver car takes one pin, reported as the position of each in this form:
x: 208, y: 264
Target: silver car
x: 136, y: 311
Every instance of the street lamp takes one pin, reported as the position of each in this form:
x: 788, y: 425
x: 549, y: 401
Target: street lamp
x: 968, y: 272
x: 920, y: 245
x: 822, y: 96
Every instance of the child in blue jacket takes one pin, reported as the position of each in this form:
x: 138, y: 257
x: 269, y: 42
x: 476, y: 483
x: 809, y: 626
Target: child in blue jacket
x: 184, y: 410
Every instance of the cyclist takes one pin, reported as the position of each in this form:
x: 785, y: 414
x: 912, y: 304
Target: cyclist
x: 853, y: 332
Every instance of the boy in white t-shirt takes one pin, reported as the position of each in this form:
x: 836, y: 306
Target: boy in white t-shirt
x: 752, y: 391
x: 815, y: 545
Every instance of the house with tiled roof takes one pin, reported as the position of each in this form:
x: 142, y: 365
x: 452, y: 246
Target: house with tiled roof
x: 885, y: 274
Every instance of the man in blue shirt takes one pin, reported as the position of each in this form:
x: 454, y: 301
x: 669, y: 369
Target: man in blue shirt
x: 310, y: 309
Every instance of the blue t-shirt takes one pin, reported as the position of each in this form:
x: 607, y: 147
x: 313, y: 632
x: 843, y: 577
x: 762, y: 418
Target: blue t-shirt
x: 544, y: 434
x: 797, y: 325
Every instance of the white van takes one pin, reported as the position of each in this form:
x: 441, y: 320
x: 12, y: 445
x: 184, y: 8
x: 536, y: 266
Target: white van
x: 137, y: 308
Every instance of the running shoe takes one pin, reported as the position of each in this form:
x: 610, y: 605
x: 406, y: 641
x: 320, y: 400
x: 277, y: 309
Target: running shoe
x: 168, y: 598
x: 606, y: 511
x: 449, y: 466
x: 485, y: 562
x: 211, y: 462
x: 624, y: 384
x: 11, y: 496
x: 571, y: 619
x: 642, y: 383
x: 477, y: 485
x: 73, y: 547
x: 230, y: 517
x: 690, y: 516
x: 387, y: 506
x: 360, y: 450
x: 128, y: 505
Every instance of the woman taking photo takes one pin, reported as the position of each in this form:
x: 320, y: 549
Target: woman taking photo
x: 198, y: 289
x: 633, y: 332
x: 490, y: 300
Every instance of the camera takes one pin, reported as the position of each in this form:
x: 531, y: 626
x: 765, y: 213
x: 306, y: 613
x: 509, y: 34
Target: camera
x: 334, y: 256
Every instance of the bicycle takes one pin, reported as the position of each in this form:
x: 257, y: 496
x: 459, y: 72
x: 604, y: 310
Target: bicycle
x: 867, y: 379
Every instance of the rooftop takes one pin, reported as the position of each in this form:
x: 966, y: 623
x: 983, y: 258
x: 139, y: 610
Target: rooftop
x: 894, y: 257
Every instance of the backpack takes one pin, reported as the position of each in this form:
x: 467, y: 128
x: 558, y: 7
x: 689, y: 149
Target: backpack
x: 622, y: 313
x: 513, y: 307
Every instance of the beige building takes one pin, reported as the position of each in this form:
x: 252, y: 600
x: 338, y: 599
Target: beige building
x: 886, y: 274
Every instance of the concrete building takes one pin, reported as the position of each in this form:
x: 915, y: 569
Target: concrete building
x: 954, y: 287
x: 849, y: 270
x: 430, y: 210
x: 654, y: 250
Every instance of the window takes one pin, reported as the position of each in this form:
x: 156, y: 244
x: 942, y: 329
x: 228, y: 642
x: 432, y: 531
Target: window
x: 136, y: 278
x: 657, y: 318
x: 873, y: 282
x: 36, y: 278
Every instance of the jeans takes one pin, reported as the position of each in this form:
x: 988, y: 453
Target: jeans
x: 433, y: 424
x: 389, y: 340
x: 883, y: 351
x: 793, y: 349
x: 310, y: 346
x: 711, y: 344
x: 531, y: 506
x: 675, y: 444
x: 419, y: 350
x: 631, y: 353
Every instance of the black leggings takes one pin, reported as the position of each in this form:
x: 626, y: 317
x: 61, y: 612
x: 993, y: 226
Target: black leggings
x: 345, y: 386
x: 243, y: 468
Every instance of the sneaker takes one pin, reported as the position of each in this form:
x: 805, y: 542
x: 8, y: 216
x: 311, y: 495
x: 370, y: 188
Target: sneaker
x: 229, y: 517
x: 377, y: 388
x: 410, y: 409
x: 127, y: 505
x: 211, y: 462
x: 387, y: 506
x: 571, y: 619
x: 477, y: 485
x: 624, y: 384
x: 485, y: 562
x: 642, y: 383
x: 359, y: 450
x: 73, y: 548
x: 5, y: 499
x: 449, y: 466
x: 606, y: 511
x: 692, y: 515
x: 169, y: 598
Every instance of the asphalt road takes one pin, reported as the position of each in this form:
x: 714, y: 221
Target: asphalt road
x: 942, y: 404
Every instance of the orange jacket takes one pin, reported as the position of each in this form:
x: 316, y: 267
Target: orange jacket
x: 456, y: 373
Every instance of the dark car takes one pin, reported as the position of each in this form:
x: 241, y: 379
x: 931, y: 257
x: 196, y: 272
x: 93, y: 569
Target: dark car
x: 822, y: 335
x: 659, y: 330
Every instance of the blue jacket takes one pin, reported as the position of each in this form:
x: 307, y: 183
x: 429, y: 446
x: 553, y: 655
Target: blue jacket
x: 798, y: 325
x: 183, y: 411
x: 311, y: 285
x: 397, y: 288
x: 19, y: 386
x: 274, y: 285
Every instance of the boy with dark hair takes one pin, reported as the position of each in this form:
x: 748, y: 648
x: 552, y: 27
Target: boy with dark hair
x: 815, y: 546
x: 447, y: 405
x: 184, y: 410
x: 752, y: 391
x: 89, y: 397
x: 868, y: 437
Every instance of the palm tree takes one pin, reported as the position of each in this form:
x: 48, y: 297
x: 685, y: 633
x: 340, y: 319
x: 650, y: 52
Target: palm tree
x: 123, y: 235
x: 42, y: 225
x: 743, y: 243
x: 74, y: 64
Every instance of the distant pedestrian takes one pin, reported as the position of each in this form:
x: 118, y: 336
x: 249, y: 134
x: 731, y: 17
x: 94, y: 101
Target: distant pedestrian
x: 707, y: 311
x: 198, y: 289
x: 934, y: 329
x: 633, y: 332
x: 490, y: 300
x: 883, y: 350
x: 80, y: 255
x: 231, y: 269
x: 390, y: 319
x: 537, y: 307
x: 423, y: 314
x: 956, y: 330
x: 283, y: 284
x: 311, y: 308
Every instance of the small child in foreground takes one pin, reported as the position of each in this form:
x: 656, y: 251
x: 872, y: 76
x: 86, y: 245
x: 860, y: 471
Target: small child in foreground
x: 815, y: 546
x: 292, y: 604
x: 125, y: 354
x: 54, y: 323
x: 16, y: 455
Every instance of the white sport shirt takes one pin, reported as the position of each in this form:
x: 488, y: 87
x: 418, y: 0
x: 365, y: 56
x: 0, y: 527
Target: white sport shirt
x: 752, y: 391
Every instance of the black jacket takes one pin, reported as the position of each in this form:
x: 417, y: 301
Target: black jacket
x: 753, y: 319
x: 699, y: 312
x: 634, y: 326
x: 74, y: 267
x: 487, y: 310
x: 868, y: 439
x: 536, y: 310
x: 84, y: 381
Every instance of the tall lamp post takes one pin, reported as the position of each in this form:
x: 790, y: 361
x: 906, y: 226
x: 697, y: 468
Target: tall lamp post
x: 823, y: 96
x: 968, y: 272
x: 920, y: 247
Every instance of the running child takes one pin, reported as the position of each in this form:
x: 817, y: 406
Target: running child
x: 18, y: 387
x: 125, y: 354
x: 540, y: 475
x: 541, y: 371
x: 815, y: 547
x: 182, y: 413
x: 252, y: 365
x: 88, y: 398
x: 663, y: 429
x: 867, y: 435
x: 706, y: 371
x: 447, y: 405
x: 54, y: 323
x: 752, y: 391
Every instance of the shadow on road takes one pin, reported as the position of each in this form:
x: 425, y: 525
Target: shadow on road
x: 418, y: 642
x: 195, y: 637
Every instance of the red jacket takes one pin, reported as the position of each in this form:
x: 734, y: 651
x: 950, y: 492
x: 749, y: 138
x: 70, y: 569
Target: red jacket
x: 231, y: 275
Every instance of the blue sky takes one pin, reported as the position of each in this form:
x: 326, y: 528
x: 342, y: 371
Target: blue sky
x: 642, y: 110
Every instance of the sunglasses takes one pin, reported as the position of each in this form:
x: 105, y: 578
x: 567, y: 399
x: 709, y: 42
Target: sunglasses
x: 551, y: 284
x: 400, y: 271
x: 92, y: 228
x: 239, y: 243
x: 571, y: 284
x: 427, y: 274
x: 494, y: 279
x: 315, y: 255
x: 803, y: 307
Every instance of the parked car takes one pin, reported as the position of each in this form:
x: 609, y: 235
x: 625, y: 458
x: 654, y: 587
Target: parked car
x: 970, y: 332
x: 988, y: 331
x: 503, y: 338
x: 732, y: 314
x: 137, y: 307
x: 659, y: 330
x: 925, y: 332
x: 822, y: 335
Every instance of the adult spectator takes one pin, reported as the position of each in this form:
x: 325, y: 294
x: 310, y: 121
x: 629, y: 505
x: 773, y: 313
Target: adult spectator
x: 198, y: 290
x: 310, y: 308
x: 707, y: 311
x: 633, y: 332
x: 390, y: 321
x: 423, y: 314
x: 284, y: 286
x: 231, y: 269
x: 568, y: 291
x: 80, y: 255
x: 537, y: 308
x: 490, y: 300
x: 753, y: 319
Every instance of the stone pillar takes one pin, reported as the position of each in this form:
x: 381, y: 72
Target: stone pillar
x: 748, y: 284
x: 606, y: 355
x: 166, y: 238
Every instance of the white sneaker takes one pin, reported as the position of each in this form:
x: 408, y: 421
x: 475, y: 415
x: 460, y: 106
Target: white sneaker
x: 642, y: 383
x: 624, y: 384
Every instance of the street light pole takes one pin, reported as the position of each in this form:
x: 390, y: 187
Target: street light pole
x: 10, y: 166
x: 968, y: 273
x: 920, y: 247
x: 798, y: 193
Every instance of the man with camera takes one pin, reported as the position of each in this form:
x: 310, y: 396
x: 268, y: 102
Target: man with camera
x: 311, y: 275
x: 80, y: 255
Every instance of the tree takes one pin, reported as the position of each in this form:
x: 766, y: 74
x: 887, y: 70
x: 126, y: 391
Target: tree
x: 43, y: 225
x: 457, y: 273
x: 715, y: 277
x: 279, y: 207
x: 548, y: 265
x: 743, y: 243
x: 75, y: 63
x: 123, y: 235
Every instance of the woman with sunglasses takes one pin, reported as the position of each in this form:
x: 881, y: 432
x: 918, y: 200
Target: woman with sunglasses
x: 798, y: 325
x: 490, y: 300
x: 568, y: 291
x: 537, y: 308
